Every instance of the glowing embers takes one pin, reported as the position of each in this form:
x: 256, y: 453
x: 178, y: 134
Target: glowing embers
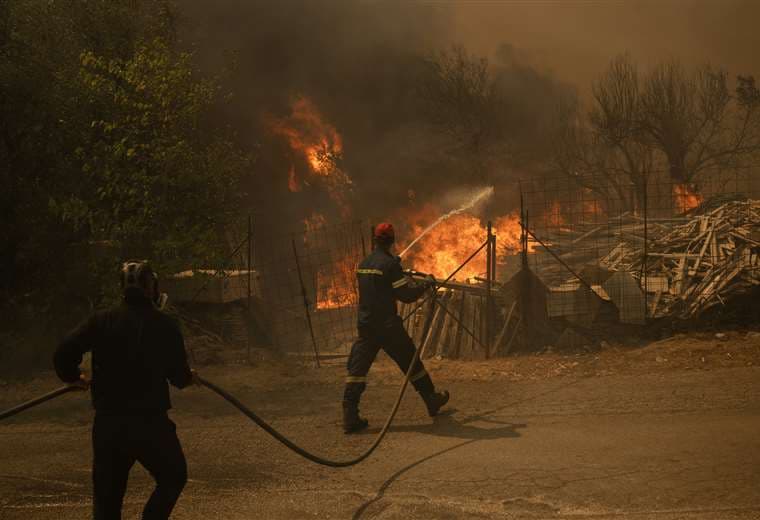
x: 685, y: 197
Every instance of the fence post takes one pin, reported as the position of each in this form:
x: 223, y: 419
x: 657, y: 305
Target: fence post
x: 248, y: 302
x: 494, y: 279
x: 489, y: 274
x: 306, y: 304
x: 646, y: 247
x: 494, y: 256
x: 523, y: 233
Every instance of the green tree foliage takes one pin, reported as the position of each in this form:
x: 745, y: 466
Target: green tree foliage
x: 154, y: 180
x: 107, y: 148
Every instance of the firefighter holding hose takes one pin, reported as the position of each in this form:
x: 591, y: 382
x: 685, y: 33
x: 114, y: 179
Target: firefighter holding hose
x: 381, y: 284
x: 136, y: 351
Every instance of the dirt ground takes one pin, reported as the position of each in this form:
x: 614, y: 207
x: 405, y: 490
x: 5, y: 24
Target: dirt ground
x: 667, y: 431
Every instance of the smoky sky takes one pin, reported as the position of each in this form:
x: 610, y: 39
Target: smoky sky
x: 359, y: 61
x: 576, y: 39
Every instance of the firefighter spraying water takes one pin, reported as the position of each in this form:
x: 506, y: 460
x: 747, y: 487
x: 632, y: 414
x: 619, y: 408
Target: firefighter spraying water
x: 381, y: 283
x: 136, y: 342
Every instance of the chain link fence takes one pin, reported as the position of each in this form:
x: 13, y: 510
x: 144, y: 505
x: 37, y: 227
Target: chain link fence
x: 634, y: 253
x: 306, y: 286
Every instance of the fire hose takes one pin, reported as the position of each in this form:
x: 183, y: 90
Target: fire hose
x: 36, y: 401
x: 266, y: 426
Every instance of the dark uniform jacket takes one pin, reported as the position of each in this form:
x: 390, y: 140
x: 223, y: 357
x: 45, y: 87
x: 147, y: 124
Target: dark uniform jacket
x: 136, y: 349
x: 381, y: 283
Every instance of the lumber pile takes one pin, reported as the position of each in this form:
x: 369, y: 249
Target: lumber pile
x: 693, y: 262
x: 698, y: 264
x: 586, y: 243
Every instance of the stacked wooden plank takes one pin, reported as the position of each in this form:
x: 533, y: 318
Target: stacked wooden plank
x: 693, y: 262
x: 457, y: 327
x: 703, y: 262
x: 580, y: 244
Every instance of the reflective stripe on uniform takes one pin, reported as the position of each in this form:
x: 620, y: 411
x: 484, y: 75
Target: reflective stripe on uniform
x: 399, y: 283
x: 356, y: 379
x: 378, y: 272
x: 419, y: 375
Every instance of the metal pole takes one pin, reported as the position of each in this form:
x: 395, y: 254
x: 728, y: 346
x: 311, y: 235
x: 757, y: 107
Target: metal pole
x: 494, y: 256
x: 250, y: 314
x: 306, y: 304
x: 494, y: 277
x: 523, y: 235
x: 489, y: 253
x: 646, y: 248
x: 253, y: 242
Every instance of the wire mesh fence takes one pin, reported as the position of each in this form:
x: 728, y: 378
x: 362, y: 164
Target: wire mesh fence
x: 306, y: 287
x: 661, y: 249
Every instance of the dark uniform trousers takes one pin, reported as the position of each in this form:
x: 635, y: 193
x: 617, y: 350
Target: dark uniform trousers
x: 394, y: 340
x: 121, y: 440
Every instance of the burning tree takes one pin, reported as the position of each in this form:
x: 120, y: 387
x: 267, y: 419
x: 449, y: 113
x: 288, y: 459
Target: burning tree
x: 317, y: 152
x: 683, y: 123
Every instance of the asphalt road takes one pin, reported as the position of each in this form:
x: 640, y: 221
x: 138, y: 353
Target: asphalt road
x: 683, y: 444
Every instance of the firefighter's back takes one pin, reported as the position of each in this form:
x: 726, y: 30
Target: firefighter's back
x: 377, y: 304
x: 136, y: 354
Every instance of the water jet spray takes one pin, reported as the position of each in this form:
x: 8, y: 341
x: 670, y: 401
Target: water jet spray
x: 478, y: 197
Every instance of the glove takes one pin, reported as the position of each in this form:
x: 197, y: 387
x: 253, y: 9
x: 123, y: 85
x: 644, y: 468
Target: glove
x: 82, y: 384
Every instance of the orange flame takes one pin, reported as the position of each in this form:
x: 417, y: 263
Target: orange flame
x: 335, y: 282
x: 508, y: 233
x: 553, y: 216
x: 320, y: 147
x: 446, y: 246
x: 686, y: 197
x: 440, y: 252
x: 336, y: 286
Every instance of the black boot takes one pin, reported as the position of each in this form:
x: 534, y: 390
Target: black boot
x: 352, y: 423
x: 435, y: 401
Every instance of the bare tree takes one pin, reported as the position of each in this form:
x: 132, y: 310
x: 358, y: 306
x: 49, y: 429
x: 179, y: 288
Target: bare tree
x: 603, y: 148
x: 689, y: 124
x: 695, y: 122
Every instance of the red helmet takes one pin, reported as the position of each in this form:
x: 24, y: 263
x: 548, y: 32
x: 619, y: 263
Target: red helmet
x: 385, y: 232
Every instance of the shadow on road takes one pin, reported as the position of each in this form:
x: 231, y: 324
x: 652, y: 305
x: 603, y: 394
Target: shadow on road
x: 446, y: 425
x: 384, y: 487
